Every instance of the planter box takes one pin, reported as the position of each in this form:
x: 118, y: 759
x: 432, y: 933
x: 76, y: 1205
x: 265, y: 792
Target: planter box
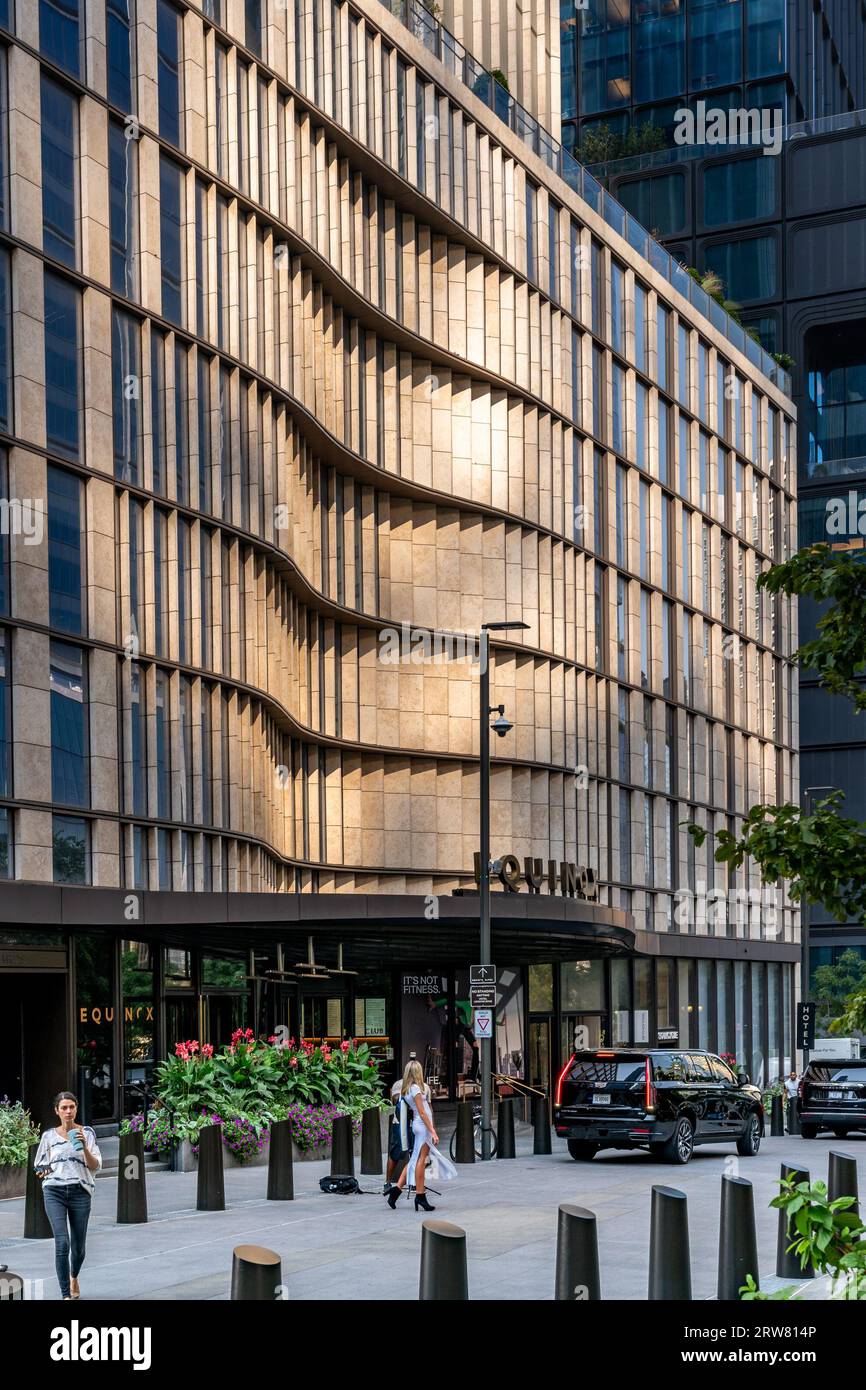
x: 13, y: 1181
x: 187, y: 1162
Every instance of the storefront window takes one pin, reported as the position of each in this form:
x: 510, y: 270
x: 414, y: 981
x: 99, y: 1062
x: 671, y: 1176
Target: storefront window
x: 686, y: 1002
x: 508, y: 1057
x: 177, y: 968
x: 139, y: 1023
x: 724, y: 1041
x: 620, y: 1002
x: 373, y: 1015
x: 704, y: 1008
x: 424, y: 1017
x: 582, y: 985
x: 95, y: 1012
x: 740, y: 1048
x: 642, y: 1000
x: 541, y: 989
x: 774, y: 999
x: 666, y: 996
x: 221, y: 972
x: 758, y: 1069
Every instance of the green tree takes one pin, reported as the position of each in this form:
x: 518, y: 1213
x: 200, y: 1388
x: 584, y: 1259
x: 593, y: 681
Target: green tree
x: 832, y: 986
x: 821, y: 853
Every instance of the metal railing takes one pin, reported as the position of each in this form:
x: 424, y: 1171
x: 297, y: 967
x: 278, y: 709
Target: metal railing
x: 443, y: 45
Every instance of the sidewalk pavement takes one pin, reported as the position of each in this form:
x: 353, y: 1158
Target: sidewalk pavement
x: 356, y: 1248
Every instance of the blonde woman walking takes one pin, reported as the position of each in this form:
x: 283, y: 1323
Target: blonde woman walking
x: 416, y: 1093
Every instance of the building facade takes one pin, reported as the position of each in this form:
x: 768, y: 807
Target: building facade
x: 312, y: 363
x: 631, y: 63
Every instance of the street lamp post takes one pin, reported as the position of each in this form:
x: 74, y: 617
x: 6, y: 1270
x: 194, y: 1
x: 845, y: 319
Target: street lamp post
x: 502, y: 727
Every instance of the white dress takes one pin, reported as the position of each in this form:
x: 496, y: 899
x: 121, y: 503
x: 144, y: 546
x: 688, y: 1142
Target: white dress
x: 442, y: 1167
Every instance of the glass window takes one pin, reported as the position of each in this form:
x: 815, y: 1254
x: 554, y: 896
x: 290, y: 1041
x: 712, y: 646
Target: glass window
x: 662, y: 345
x: 122, y: 168
x: 622, y: 627
x: 582, y: 985
x: 618, y: 403
x: 61, y: 365
x: 597, y: 285
x: 253, y: 31
x: 683, y: 364
x: 70, y: 849
x: 747, y: 268
x: 640, y: 326
x: 659, y: 49
x: 641, y: 415
x: 163, y: 751
x: 739, y: 190
x: 118, y: 39
x: 620, y: 1002
x: 59, y: 172
x: 59, y: 33
x: 765, y: 37
x: 137, y: 754
x: 664, y: 441
x: 69, y: 762
x: 5, y: 342
x: 531, y: 266
x: 617, y: 307
x: 126, y: 394
x: 65, y: 570
x: 168, y: 43
x: 715, y: 43
x: 171, y: 237
x: 5, y: 711
x: 658, y: 203
x: 604, y: 57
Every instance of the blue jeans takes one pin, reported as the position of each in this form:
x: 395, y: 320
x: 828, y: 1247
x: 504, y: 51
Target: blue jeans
x: 70, y: 1201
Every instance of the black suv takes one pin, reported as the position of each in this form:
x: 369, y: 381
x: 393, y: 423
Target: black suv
x: 662, y: 1101
x: 832, y: 1095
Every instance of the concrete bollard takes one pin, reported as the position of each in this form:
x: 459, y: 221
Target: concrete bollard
x: 210, y: 1192
x: 787, y: 1263
x: 738, y: 1243
x: 842, y: 1179
x: 777, y: 1118
x: 11, y: 1286
x: 505, y: 1129
x: 444, y: 1276
x: 281, y: 1180
x: 793, y: 1117
x: 256, y: 1274
x: 465, y: 1133
x: 541, y: 1143
x: 342, y: 1153
x: 36, y: 1223
x: 577, y: 1276
x: 670, y: 1268
x: 131, y: 1182
x: 371, y: 1141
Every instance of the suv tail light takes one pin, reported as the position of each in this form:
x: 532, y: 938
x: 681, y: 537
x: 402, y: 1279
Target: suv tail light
x: 559, y: 1080
x: 649, y: 1088
x: 800, y: 1090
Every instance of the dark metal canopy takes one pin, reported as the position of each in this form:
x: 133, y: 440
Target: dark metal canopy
x: 376, y: 930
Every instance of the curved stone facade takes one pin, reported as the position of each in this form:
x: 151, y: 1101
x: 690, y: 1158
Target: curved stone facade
x: 353, y: 365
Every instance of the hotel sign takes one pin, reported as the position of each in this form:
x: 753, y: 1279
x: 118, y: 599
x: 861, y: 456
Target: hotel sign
x: 565, y: 878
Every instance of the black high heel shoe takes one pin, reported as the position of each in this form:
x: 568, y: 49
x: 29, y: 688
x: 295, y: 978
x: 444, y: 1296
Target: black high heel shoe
x: 421, y: 1201
x: 394, y: 1196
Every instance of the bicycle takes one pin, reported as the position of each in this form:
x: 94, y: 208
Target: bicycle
x: 476, y: 1137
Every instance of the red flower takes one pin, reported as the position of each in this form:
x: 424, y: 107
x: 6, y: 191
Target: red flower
x: 293, y: 1062
x: 344, y: 1046
x: 207, y: 1050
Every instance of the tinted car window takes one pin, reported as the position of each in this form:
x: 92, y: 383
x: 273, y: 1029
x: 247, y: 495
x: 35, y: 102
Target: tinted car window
x: 722, y: 1072
x: 700, y: 1067
x: 840, y: 1071
x: 671, y: 1066
x: 594, y: 1070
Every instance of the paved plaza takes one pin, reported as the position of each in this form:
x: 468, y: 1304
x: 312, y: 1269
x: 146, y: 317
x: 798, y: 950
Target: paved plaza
x: 356, y: 1248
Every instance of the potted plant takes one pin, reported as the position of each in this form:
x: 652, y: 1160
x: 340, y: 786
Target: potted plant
x: 17, y: 1133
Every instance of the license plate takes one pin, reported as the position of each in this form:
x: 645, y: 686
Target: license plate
x: 601, y: 1100
x: 837, y: 1095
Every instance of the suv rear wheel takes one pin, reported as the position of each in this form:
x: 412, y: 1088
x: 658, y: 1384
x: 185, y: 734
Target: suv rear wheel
x: 808, y: 1131
x: 581, y: 1149
x: 750, y: 1140
x: 681, y: 1145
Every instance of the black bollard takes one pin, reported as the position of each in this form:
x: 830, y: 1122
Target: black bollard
x: 36, y: 1223
x: 465, y: 1132
x: 738, y: 1243
x: 443, y: 1263
x: 211, y: 1192
x: 541, y: 1126
x: 131, y: 1185
x: 256, y: 1274
x: 505, y: 1129
x: 11, y: 1285
x: 371, y: 1140
x: 793, y: 1116
x: 670, y: 1268
x: 787, y: 1263
x: 577, y: 1276
x: 777, y: 1118
x: 842, y: 1179
x: 342, y: 1153
x: 281, y: 1182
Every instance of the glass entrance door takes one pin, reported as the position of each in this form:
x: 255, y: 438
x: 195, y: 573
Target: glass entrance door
x: 581, y: 1031
x: 322, y: 1017
x: 539, y: 1054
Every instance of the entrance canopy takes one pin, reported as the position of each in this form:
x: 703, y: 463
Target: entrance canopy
x: 375, y: 930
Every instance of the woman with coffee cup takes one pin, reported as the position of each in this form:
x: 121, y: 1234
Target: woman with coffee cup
x: 66, y: 1160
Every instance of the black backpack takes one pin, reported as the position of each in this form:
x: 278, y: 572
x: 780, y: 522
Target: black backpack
x: 341, y: 1183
